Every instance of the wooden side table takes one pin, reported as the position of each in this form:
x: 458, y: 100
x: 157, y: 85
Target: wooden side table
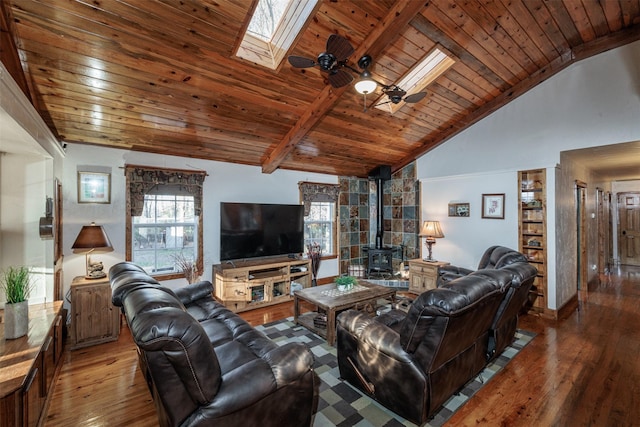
x: 94, y: 319
x: 423, y: 275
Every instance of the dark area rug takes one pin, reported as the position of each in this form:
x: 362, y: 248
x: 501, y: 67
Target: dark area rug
x: 342, y: 405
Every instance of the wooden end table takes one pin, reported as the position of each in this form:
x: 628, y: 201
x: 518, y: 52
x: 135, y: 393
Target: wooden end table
x: 327, y: 298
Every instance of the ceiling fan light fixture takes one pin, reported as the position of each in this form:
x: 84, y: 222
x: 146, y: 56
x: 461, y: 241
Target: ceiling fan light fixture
x: 366, y: 84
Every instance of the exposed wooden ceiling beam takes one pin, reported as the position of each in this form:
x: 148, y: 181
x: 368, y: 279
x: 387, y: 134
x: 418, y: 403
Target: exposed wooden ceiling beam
x: 387, y: 30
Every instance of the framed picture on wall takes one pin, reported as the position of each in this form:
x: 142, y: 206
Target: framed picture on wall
x: 493, y: 206
x: 94, y: 187
x: 459, y: 209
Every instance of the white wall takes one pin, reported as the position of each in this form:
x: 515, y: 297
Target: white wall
x: 466, y: 237
x: 594, y: 102
x: 21, y: 244
x: 29, y: 153
x: 226, y: 182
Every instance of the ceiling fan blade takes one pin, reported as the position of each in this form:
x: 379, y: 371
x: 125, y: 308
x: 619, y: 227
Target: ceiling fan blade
x: 383, y: 103
x: 339, y: 78
x: 339, y: 47
x: 415, y: 97
x: 301, y: 61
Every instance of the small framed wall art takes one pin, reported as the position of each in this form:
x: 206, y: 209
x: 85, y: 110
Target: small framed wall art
x: 94, y: 187
x: 459, y: 209
x: 493, y: 206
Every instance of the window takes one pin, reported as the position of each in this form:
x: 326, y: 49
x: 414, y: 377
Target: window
x: 429, y: 68
x: 166, y: 230
x: 320, y: 201
x: 320, y: 226
x: 266, y: 18
x: 164, y: 223
x: 274, y: 26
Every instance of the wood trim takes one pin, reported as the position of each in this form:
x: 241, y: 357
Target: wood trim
x: 567, y: 308
x: 58, y: 250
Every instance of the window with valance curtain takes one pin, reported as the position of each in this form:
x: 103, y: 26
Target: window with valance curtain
x: 144, y: 180
x: 164, y: 220
x: 317, y: 192
x: 320, y: 208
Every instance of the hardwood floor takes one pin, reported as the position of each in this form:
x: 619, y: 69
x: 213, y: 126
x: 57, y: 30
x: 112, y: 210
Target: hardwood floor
x: 580, y: 371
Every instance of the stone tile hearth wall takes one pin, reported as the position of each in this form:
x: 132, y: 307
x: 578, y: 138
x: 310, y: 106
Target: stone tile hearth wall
x: 358, y: 217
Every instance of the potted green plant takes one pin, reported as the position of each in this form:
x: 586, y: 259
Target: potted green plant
x: 16, y: 285
x: 345, y: 283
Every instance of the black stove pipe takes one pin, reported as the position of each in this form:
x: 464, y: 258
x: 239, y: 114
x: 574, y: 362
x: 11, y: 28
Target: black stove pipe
x: 380, y: 210
x: 380, y: 174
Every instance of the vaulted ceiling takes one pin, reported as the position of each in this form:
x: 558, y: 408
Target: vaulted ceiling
x: 161, y: 76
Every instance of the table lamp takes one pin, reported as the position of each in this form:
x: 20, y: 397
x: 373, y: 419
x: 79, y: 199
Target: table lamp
x: 91, y: 238
x: 431, y: 230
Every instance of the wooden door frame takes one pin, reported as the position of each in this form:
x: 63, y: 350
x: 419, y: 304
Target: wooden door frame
x: 581, y: 235
x: 610, y: 218
x: 57, y: 240
x: 601, y: 213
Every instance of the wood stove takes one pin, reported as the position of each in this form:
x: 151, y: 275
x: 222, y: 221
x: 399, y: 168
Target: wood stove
x: 380, y: 261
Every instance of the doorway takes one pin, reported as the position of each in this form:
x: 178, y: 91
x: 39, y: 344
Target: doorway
x: 581, y: 235
x: 603, y: 218
x: 629, y: 228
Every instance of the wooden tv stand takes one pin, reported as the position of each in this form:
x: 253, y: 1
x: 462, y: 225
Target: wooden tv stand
x: 249, y: 284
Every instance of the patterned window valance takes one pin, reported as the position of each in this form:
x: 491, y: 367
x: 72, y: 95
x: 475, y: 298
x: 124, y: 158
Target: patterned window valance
x: 316, y: 192
x: 142, y: 180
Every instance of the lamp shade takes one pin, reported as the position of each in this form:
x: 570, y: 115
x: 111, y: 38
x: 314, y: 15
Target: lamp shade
x: 366, y: 84
x: 92, y: 237
x: 431, y: 229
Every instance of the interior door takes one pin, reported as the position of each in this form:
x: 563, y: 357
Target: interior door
x: 629, y: 228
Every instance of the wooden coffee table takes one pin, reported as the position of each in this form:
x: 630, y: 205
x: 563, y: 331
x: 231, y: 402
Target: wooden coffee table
x: 329, y: 300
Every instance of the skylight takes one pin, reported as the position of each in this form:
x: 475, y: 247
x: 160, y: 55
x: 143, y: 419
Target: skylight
x: 266, y: 18
x: 274, y: 26
x: 430, y: 67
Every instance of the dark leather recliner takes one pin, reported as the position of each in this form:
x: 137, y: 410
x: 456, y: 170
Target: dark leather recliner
x: 523, y: 274
x: 494, y: 257
x: 504, y: 325
x: 413, y: 362
x: 205, y: 365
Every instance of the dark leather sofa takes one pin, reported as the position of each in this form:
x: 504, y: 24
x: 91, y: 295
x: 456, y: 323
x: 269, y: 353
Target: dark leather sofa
x: 205, y: 365
x: 493, y: 257
x: 412, y: 362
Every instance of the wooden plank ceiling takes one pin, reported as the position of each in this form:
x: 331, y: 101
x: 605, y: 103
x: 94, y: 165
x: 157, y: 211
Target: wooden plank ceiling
x: 160, y: 76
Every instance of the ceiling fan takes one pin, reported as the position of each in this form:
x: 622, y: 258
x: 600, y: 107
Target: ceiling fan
x: 334, y: 61
x: 331, y: 61
x: 396, y: 95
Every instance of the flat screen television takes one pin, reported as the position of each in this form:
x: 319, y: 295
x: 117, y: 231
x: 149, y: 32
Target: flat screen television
x: 250, y: 230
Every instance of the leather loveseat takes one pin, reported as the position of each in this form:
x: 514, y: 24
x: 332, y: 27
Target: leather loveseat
x: 412, y: 362
x: 205, y: 365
